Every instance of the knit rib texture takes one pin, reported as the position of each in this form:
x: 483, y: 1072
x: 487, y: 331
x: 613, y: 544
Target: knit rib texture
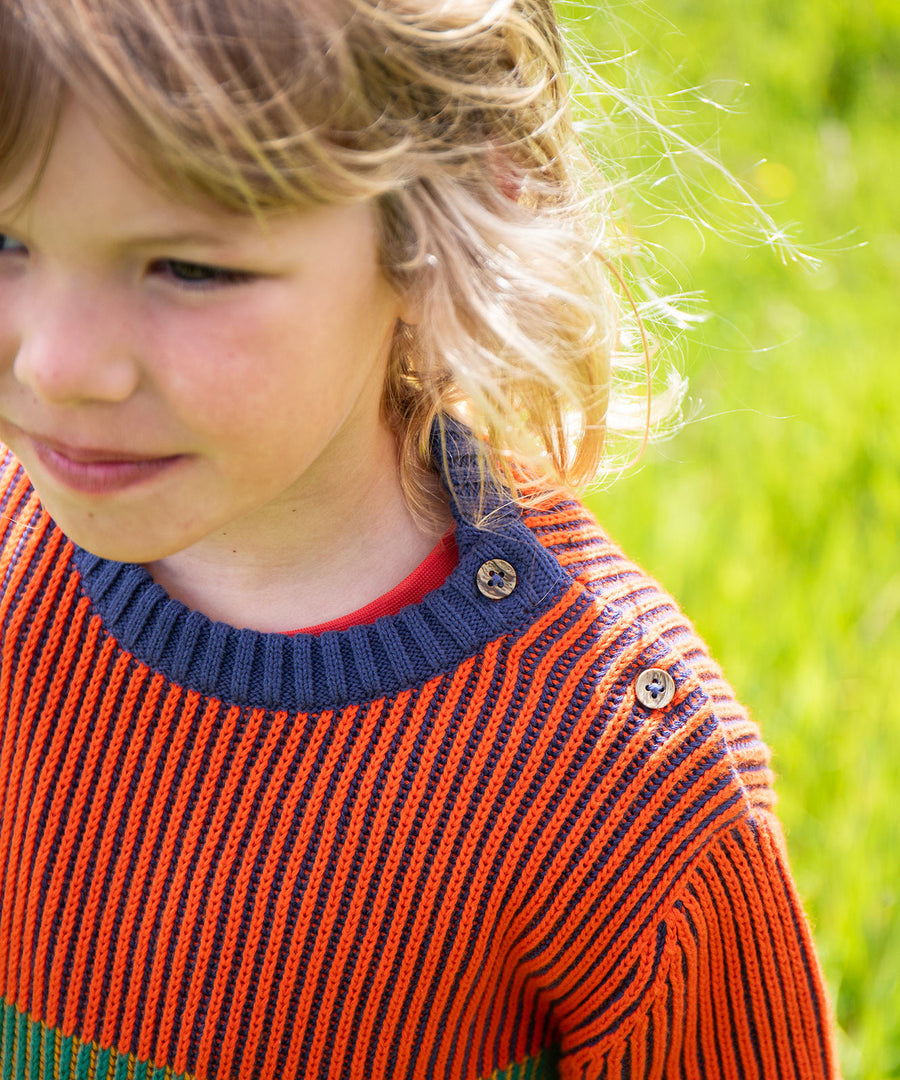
x: 452, y: 843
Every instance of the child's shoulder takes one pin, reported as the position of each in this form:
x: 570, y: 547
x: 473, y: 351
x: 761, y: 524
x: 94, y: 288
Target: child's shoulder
x: 652, y: 675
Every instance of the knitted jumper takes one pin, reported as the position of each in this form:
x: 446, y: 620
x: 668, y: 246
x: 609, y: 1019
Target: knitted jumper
x: 451, y: 843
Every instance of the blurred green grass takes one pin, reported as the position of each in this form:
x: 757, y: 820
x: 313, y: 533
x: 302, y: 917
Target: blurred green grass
x: 774, y: 516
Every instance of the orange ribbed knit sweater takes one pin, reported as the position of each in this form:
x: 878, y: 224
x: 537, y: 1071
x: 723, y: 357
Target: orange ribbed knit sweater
x: 453, y: 843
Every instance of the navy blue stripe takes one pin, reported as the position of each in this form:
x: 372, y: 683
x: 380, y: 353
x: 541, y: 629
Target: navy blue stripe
x: 618, y: 992
x: 227, y: 918
x: 300, y: 800
x: 590, y: 819
x: 811, y: 982
x: 324, y: 906
x: 686, y: 983
x: 81, y: 734
x: 744, y: 876
x: 80, y: 901
x: 194, y: 783
x: 426, y: 858
x: 35, y: 700
x: 598, y: 771
x: 216, y: 868
x: 527, y: 733
x: 464, y: 917
x: 720, y: 816
x: 412, y: 769
x: 460, y: 838
x: 119, y: 834
x: 358, y: 859
x: 739, y: 986
x: 733, y: 986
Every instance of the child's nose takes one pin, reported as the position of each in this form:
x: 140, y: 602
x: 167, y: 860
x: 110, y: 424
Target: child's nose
x: 72, y: 351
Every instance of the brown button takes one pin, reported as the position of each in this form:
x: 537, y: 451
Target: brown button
x: 496, y: 579
x: 654, y: 688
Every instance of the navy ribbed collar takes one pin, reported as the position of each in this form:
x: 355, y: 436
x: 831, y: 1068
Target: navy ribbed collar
x: 329, y: 670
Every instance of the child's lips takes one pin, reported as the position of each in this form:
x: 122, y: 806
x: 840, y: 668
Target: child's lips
x: 95, y: 470
x: 88, y: 456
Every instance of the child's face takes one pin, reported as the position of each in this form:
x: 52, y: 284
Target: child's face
x: 168, y: 374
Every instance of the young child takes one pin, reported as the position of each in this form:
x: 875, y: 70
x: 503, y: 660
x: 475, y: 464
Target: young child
x: 337, y: 739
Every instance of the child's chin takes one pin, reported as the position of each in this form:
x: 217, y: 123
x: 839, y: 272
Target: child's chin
x: 109, y: 541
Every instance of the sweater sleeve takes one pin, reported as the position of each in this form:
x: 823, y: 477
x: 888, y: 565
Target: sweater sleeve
x: 737, y: 994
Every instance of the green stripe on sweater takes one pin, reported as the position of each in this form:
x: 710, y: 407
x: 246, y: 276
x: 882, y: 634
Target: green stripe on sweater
x: 30, y: 1050
x: 542, y: 1067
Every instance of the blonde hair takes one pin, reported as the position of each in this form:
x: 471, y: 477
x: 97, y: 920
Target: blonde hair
x: 452, y: 115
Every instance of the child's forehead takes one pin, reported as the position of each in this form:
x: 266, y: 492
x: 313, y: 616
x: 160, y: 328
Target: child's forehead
x: 88, y: 189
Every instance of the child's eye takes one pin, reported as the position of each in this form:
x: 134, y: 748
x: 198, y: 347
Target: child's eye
x: 199, y: 274
x: 8, y: 244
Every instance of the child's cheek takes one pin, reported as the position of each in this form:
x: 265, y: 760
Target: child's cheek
x: 10, y: 320
x: 210, y: 363
x: 271, y: 357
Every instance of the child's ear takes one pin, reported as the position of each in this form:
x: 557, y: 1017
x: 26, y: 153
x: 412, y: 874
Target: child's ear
x: 411, y: 305
x: 505, y: 174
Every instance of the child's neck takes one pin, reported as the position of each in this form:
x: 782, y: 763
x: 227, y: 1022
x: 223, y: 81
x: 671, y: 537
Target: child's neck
x: 347, y: 547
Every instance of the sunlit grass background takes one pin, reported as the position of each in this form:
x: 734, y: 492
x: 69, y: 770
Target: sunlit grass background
x: 774, y: 517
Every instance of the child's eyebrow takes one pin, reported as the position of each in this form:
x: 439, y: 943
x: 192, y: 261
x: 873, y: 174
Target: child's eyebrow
x: 176, y: 237
x: 186, y: 237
